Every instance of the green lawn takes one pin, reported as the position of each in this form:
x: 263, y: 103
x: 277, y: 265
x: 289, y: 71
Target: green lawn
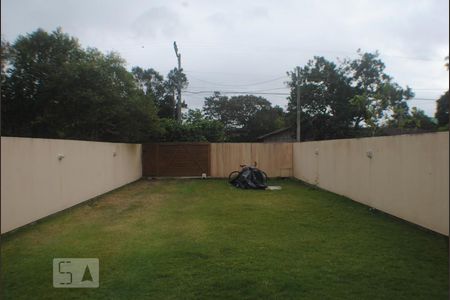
x: 203, y: 239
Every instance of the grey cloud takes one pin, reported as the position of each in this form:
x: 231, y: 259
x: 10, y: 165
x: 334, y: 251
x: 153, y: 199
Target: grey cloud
x: 221, y: 20
x: 255, y: 40
x: 235, y: 17
x: 259, y: 12
x: 158, y: 21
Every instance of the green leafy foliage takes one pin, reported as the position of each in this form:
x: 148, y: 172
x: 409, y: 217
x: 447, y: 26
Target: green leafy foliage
x: 417, y: 119
x: 442, y: 110
x: 325, y: 92
x: 5, y: 56
x: 337, y: 100
x: 244, y: 117
x: 162, y: 90
x: 55, y: 89
x: 264, y: 121
x: 196, y: 128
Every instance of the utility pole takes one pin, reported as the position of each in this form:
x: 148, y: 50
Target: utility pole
x: 178, y: 106
x: 298, y: 104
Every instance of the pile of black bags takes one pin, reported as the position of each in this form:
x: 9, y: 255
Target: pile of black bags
x: 249, y: 178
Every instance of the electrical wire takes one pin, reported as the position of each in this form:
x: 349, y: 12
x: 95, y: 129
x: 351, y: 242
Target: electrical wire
x: 280, y: 88
x: 239, y: 85
x: 236, y: 92
x: 273, y: 94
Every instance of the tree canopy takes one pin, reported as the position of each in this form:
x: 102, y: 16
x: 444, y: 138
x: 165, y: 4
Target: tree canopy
x: 442, y: 110
x: 195, y: 128
x: 338, y: 99
x: 245, y: 117
x: 55, y: 89
x: 51, y: 87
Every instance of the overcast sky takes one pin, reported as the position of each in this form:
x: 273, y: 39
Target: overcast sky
x: 249, y: 45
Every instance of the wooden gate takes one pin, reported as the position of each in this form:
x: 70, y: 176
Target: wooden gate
x: 176, y: 159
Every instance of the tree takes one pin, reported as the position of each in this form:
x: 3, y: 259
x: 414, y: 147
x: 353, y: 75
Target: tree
x: 442, y: 110
x: 216, y: 108
x: 375, y: 93
x: 175, y: 78
x: 325, y: 92
x: 38, y: 62
x: 263, y: 121
x: 196, y: 128
x: 162, y: 90
x: 236, y: 111
x: 5, y: 56
x: 55, y: 89
x: 150, y: 82
x: 337, y: 100
x: 244, y: 117
x: 418, y: 119
x: 211, y: 130
x: 154, y: 86
x: 442, y: 106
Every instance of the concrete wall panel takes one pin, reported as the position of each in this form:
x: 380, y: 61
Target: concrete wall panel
x: 35, y: 183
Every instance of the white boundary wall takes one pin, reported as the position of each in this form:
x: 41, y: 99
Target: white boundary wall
x: 407, y: 176
x: 35, y: 183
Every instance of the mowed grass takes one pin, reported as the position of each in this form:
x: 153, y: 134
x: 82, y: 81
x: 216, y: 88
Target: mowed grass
x: 203, y: 239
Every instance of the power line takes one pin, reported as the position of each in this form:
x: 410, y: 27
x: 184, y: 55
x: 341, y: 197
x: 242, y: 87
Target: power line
x: 422, y: 99
x: 287, y: 87
x: 431, y: 89
x: 236, y: 92
x: 249, y: 91
x: 223, y: 73
x: 273, y: 89
x: 274, y: 94
x: 281, y: 88
x: 240, y: 85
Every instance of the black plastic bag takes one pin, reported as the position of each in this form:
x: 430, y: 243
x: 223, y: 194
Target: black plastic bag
x: 250, y: 178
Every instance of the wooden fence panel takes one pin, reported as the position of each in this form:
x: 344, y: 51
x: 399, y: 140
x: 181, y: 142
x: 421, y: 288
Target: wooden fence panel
x: 274, y: 158
x: 175, y: 159
x: 226, y: 157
